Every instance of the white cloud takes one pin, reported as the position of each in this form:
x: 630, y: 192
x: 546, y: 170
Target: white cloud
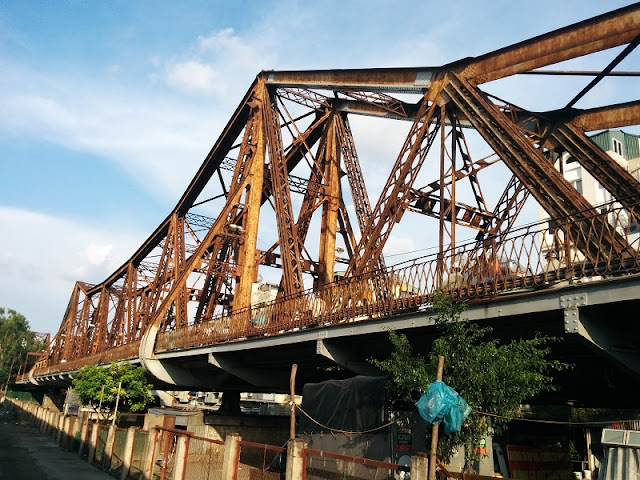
x: 193, y: 76
x: 216, y: 62
x: 98, y: 254
x: 159, y: 141
x: 42, y: 256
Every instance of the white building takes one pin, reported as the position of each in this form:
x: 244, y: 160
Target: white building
x: 624, y: 148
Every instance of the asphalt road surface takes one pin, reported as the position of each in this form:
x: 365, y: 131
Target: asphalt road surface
x: 25, y: 454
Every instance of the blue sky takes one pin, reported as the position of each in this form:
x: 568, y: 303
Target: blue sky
x: 107, y: 108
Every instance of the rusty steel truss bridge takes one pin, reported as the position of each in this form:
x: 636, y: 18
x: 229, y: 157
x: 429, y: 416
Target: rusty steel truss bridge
x: 183, y: 304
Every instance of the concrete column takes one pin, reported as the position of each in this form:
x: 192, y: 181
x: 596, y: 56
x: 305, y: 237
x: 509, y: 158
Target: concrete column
x: 127, y: 455
x: 295, y: 459
x: 93, y: 442
x: 182, y: 450
x: 108, y: 447
x: 150, y: 454
x: 419, y: 467
x: 231, y: 457
x: 84, y: 432
x: 60, y: 428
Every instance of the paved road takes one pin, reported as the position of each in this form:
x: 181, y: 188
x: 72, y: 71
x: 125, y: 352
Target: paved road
x: 25, y: 454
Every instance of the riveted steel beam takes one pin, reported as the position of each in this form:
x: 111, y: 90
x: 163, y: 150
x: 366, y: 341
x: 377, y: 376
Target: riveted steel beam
x: 599, y: 33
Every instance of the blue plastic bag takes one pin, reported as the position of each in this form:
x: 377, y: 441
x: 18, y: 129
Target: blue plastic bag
x: 442, y: 403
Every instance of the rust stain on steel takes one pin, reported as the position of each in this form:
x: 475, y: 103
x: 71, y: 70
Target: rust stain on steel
x: 383, y: 78
x: 613, y: 116
x: 593, y: 35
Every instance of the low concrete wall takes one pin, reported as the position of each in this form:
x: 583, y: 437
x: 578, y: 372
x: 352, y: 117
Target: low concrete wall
x: 270, y: 430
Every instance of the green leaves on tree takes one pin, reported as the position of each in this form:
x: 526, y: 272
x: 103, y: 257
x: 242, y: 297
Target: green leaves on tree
x: 89, y: 381
x: 493, y: 377
x: 16, y: 339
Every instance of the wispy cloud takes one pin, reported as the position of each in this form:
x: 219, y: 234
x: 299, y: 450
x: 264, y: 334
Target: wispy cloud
x: 45, y: 255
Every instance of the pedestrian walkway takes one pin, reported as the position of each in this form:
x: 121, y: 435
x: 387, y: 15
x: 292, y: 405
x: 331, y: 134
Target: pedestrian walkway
x: 25, y: 454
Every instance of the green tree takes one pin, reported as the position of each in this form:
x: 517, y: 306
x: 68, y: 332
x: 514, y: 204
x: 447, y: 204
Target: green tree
x: 492, y: 377
x: 16, y: 339
x: 89, y: 381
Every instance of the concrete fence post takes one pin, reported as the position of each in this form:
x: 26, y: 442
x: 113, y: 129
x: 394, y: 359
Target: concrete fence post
x: 54, y: 423
x: 84, y: 432
x: 38, y: 416
x: 93, y: 442
x: 419, y: 467
x: 295, y: 459
x: 41, y: 414
x: 127, y: 455
x: 53, y: 419
x: 182, y: 450
x: 45, y: 422
x: 231, y: 457
x: 108, y: 447
x: 64, y: 435
x: 74, y: 427
x: 48, y: 422
x: 150, y: 454
x: 60, y: 428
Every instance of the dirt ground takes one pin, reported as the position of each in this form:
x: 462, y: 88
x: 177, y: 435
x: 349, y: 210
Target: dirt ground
x: 25, y: 454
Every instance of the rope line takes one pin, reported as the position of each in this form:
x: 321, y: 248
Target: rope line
x: 556, y: 422
x: 347, y: 432
x: 478, y: 412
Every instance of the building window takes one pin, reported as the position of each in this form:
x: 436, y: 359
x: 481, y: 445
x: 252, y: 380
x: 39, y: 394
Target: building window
x: 617, y: 146
x: 577, y: 184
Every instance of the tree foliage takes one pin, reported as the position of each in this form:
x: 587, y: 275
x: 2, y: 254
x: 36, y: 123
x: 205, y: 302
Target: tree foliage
x: 16, y: 339
x: 89, y: 381
x: 493, y: 377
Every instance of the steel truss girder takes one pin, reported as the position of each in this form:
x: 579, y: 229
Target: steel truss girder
x: 120, y: 309
x: 544, y: 182
x: 395, y: 194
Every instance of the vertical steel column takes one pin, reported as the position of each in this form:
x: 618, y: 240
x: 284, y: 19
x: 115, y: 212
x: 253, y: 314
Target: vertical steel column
x: 327, y: 253
x: 247, y: 269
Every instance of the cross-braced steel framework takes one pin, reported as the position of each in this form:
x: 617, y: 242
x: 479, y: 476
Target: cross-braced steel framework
x: 280, y: 170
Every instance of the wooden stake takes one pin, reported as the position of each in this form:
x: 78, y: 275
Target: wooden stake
x: 292, y: 385
x: 115, y: 411
x: 434, y: 430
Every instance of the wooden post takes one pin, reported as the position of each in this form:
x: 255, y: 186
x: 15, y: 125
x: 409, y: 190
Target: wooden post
x: 434, y: 429
x: 115, y: 410
x: 292, y: 385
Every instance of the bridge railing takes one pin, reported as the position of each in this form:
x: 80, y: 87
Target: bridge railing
x: 121, y: 352
x: 531, y: 257
x: 600, y: 243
